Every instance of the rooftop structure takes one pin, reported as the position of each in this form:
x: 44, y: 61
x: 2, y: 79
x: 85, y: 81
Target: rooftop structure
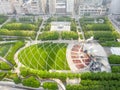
x: 60, y: 26
x: 91, y: 10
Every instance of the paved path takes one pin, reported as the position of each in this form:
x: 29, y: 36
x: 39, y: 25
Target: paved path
x: 81, y: 30
x: 4, y: 42
x: 4, y: 60
x: 9, y: 19
x: 39, y: 31
x: 13, y: 86
x: 115, y: 26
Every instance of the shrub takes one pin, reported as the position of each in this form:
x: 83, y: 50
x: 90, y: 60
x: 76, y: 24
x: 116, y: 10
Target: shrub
x: 19, y: 26
x: 111, y: 43
x: 116, y: 69
x: 31, y: 82
x: 73, y: 26
x: 50, y: 86
x: 49, y: 36
x: 10, y: 56
x: 17, y: 80
x: 45, y: 74
x: 2, y: 75
x: 69, y: 35
x: 3, y: 19
x: 16, y: 32
x: 4, y: 66
x: 98, y: 27
x: 114, y: 59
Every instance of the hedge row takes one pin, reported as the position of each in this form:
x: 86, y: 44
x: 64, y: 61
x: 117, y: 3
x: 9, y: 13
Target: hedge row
x: 45, y: 74
x: 114, y: 59
x: 53, y: 35
x: 99, y: 82
x: 96, y: 27
x: 95, y: 85
x: 100, y: 76
x: 16, y: 32
x: 49, y: 36
x: 10, y: 56
x: 92, y: 87
x: 69, y: 35
x: 19, y: 26
x: 50, y: 86
x: 102, y: 36
x: 4, y: 66
x: 63, y: 76
x: 73, y: 26
x: 31, y: 82
x: 115, y: 69
x: 111, y: 44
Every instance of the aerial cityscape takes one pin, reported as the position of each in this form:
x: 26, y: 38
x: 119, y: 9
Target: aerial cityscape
x: 59, y: 45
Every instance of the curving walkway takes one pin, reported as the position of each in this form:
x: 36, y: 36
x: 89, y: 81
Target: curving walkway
x: 4, y: 60
x: 17, y: 69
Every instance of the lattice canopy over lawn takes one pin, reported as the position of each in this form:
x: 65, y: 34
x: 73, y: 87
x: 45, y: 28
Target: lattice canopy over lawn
x: 45, y: 56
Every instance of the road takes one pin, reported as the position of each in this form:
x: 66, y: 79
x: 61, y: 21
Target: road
x: 113, y: 23
x: 81, y: 29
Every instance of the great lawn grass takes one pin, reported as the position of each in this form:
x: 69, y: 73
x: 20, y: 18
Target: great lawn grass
x: 45, y: 56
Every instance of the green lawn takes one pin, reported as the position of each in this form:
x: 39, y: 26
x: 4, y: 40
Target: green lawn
x: 45, y: 56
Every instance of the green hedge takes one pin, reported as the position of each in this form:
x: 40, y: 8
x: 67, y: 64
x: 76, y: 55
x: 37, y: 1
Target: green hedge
x: 97, y: 27
x: 45, y: 74
x: 100, y: 76
x: 114, y: 59
x: 31, y: 82
x: 69, y: 35
x: 102, y: 36
x: 111, y: 44
x: 115, y: 69
x: 50, y: 86
x: 17, y: 80
x: 19, y: 26
x: 2, y: 75
x: 47, y: 27
x: 73, y: 26
x: 10, y: 56
x: 95, y: 85
x: 4, y: 66
x: 63, y: 76
x: 16, y: 32
x: 3, y: 19
x: 53, y: 35
x: 49, y: 36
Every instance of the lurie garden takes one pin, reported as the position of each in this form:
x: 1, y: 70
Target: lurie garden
x: 59, y: 52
